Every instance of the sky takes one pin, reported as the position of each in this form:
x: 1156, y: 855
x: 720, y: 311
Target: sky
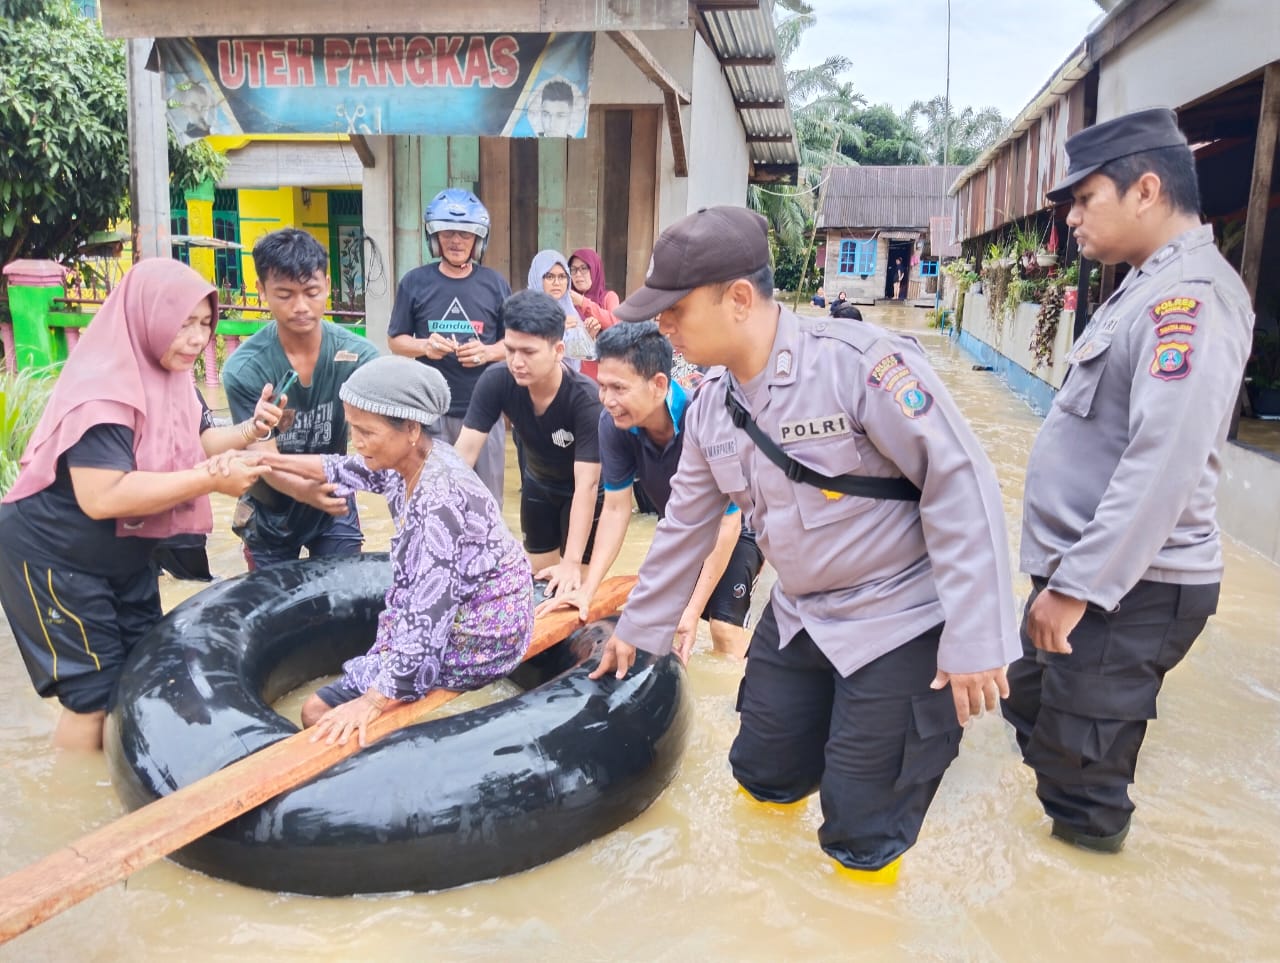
x: 1002, y: 51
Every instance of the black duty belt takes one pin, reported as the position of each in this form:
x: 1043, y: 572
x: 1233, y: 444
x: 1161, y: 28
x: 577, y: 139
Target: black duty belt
x: 896, y: 489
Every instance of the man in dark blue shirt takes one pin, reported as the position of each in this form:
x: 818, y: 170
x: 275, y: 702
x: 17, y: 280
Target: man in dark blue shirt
x: 640, y: 443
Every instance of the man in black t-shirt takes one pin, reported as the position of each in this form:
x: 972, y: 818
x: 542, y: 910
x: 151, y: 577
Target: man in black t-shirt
x: 641, y: 438
x: 446, y: 315
x: 555, y: 416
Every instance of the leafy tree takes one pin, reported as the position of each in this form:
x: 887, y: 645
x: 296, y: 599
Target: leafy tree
x: 887, y: 139
x: 64, y: 146
x: 822, y: 105
x: 970, y: 131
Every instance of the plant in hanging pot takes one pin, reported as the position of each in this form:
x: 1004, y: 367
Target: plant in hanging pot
x: 1046, y: 260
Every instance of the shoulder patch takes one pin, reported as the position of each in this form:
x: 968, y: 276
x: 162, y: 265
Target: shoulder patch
x: 1172, y: 361
x: 1169, y: 307
x: 856, y: 334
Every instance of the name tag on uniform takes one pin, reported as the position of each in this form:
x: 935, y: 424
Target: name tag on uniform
x: 345, y: 355
x: 823, y: 426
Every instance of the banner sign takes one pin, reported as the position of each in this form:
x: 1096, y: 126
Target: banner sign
x: 509, y: 85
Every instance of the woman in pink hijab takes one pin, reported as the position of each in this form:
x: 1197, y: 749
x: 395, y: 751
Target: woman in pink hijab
x: 591, y: 296
x: 117, y: 463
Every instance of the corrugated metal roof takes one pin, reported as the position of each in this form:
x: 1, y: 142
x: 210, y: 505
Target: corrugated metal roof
x: 738, y: 34
x: 878, y: 197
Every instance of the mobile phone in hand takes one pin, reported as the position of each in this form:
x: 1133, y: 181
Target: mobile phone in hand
x: 285, y: 385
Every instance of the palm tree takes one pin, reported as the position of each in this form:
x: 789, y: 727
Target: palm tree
x: 971, y: 132
x: 823, y: 108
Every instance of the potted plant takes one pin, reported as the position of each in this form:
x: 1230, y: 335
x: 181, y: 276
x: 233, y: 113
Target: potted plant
x: 1263, y: 374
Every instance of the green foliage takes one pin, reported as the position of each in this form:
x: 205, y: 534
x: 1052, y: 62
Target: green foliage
x: 22, y: 400
x: 1263, y: 368
x: 191, y: 166
x: 887, y: 139
x: 970, y: 131
x: 789, y: 266
x: 64, y: 144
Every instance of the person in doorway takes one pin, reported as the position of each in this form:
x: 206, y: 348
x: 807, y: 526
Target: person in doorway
x: 459, y: 612
x: 554, y: 414
x: 904, y: 274
x: 282, y: 516
x: 447, y: 315
x: 891, y: 279
x: 116, y: 464
x: 591, y: 297
x: 1119, y: 533
x: 641, y: 435
x: 873, y: 651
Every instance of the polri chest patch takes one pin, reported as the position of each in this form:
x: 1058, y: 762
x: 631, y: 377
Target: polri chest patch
x: 822, y: 426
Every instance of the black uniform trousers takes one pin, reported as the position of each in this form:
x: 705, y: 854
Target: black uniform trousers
x: 875, y: 743
x: 1080, y: 718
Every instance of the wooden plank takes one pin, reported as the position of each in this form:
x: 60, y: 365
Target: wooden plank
x: 764, y: 61
x: 248, y: 18
x: 615, y: 203
x: 524, y: 208
x: 495, y: 191
x: 148, y: 155
x: 582, y: 186
x: 408, y: 215
x: 552, y: 169
x: 1264, y: 153
x: 649, y: 65
x: 75, y: 872
x: 675, y: 127
x: 643, y: 196
x: 464, y: 163
x: 361, y: 146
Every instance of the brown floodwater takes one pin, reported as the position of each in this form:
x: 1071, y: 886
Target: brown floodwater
x: 706, y: 875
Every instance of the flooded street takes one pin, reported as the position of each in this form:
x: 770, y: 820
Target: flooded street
x: 706, y: 875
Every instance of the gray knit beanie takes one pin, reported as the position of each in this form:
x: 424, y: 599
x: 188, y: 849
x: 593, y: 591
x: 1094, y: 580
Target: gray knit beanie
x: 398, y: 387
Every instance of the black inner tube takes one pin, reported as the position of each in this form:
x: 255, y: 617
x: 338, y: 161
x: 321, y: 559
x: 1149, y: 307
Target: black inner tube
x: 472, y: 796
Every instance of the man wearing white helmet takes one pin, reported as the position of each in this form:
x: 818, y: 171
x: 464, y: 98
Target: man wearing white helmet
x: 446, y: 314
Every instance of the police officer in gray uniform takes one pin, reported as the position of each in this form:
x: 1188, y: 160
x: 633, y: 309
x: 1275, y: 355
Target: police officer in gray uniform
x: 1119, y: 533
x: 874, y: 502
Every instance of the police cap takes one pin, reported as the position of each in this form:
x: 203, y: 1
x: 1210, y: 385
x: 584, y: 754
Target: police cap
x: 711, y: 245
x: 1134, y: 133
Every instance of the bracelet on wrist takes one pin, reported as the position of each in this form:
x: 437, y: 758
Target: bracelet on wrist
x: 248, y: 431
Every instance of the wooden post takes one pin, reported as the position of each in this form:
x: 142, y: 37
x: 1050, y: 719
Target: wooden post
x: 1264, y: 153
x: 75, y: 872
x: 148, y: 155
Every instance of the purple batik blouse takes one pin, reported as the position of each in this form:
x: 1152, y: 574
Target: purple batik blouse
x: 460, y: 607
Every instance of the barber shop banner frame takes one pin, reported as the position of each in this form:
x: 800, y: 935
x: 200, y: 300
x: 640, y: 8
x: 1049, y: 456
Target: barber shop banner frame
x: 509, y: 85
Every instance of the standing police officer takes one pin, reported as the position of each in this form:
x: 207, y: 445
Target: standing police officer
x: 1119, y: 533
x: 874, y: 502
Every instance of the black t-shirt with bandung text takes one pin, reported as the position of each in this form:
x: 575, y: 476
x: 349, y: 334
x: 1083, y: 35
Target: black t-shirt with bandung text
x: 428, y: 302
x: 566, y: 432
x: 51, y: 525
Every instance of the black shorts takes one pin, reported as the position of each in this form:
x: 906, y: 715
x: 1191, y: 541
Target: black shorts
x: 75, y: 629
x: 544, y: 517
x: 731, y: 600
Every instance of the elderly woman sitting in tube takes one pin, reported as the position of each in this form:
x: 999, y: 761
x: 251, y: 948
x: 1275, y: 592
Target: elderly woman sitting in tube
x: 460, y: 607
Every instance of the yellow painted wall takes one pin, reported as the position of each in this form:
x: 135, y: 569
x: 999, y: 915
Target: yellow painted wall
x: 262, y: 212
x: 200, y: 224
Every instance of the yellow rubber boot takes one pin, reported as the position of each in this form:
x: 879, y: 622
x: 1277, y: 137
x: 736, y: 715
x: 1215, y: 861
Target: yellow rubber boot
x: 886, y: 875
x: 782, y: 807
